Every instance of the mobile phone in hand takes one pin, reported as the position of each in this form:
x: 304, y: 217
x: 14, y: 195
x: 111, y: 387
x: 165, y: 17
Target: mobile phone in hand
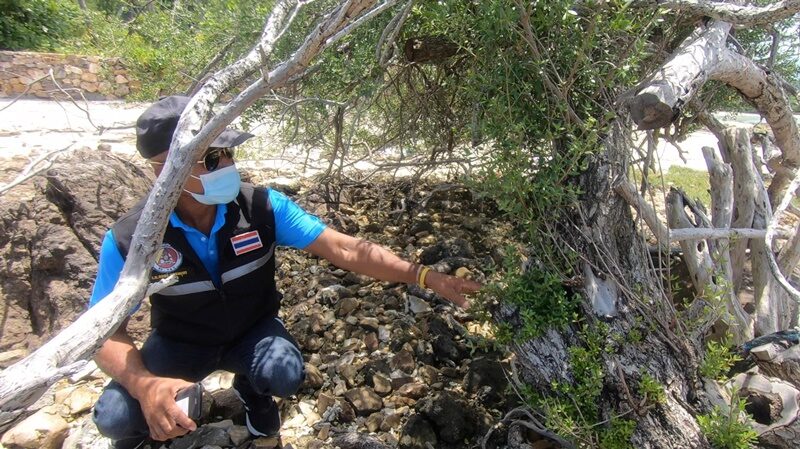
x: 190, y: 400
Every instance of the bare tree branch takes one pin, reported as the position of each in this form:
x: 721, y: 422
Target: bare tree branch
x: 28, y: 172
x: 730, y: 12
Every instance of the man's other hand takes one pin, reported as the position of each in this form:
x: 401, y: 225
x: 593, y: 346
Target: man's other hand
x: 165, y: 419
x: 450, y: 287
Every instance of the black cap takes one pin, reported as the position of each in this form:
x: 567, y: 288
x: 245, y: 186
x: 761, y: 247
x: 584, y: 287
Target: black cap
x: 156, y: 125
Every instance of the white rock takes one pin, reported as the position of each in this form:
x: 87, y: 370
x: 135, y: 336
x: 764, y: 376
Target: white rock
x: 42, y: 430
x: 85, y: 435
x: 218, y: 380
x: 384, y: 334
x: 81, y: 399
x: 418, y: 305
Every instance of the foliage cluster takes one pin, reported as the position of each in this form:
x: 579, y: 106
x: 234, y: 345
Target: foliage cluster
x: 540, y: 298
x: 167, y: 44
x: 37, y: 24
x: 731, y: 428
x: 718, y: 359
x: 573, y: 410
x: 727, y: 430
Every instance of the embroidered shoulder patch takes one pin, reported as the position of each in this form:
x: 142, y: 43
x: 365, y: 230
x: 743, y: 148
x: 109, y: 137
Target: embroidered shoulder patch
x: 169, y: 259
x: 244, y: 243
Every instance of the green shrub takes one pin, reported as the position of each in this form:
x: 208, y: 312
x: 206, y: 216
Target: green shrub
x: 728, y: 430
x: 37, y: 24
x: 718, y: 359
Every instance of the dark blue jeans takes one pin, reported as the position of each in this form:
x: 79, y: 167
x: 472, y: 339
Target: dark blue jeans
x: 267, y: 356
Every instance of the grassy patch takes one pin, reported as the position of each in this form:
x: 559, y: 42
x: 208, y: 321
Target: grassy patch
x: 693, y: 182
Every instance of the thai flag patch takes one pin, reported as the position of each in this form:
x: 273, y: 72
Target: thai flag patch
x: 244, y: 243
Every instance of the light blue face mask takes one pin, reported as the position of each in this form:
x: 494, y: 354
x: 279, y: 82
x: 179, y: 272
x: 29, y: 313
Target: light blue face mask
x: 219, y: 186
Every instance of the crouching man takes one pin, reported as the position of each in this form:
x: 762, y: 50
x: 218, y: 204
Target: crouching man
x: 223, y: 311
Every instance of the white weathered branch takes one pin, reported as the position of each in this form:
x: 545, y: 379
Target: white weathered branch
x: 733, y: 13
x: 764, y: 92
x: 30, y: 170
x: 660, y: 101
x: 744, y: 180
x: 677, y: 235
x: 793, y: 293
x: 21, y: 383
x: 701, y: 58
x: 628, y: 192
x: 702, y: 270
x: 372, y: 13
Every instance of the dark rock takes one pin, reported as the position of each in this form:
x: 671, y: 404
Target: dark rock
x: 443, y: 343
x: 335, y: 293
x: 413, y: 390
x: 374, y: 422
x: 422, y: 225
x: 225, y: 404
x: 399, y: 381
x: 346, y: 411
x: 403, y: 360
x: 204, y: 436
x: 354, y: 279
x: 487, y: 378
x: 51, y: 229
x: 314, y: 377
x: 370, y: 323
x: 324, y: 400
x: 346, y: 306
x: 452, y: 416
x: 371, y: 341
x: 381, y: 384
x: 417, y: 434
x: 449, y: 248
x: 376, y: 366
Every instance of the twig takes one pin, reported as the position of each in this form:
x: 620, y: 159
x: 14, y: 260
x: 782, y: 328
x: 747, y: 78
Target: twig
x: 771, y: 231
x: 389, y: 35
x: 29, y: 173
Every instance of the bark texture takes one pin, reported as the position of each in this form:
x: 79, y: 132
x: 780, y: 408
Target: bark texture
x: 604, y: 231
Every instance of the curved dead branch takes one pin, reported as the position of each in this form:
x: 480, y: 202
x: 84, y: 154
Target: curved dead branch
x: 733, y: 13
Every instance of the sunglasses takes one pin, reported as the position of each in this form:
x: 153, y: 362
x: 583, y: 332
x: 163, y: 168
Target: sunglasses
x: 211, y: 159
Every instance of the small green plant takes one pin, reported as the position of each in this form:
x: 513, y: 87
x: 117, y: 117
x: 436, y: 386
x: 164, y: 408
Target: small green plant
x: 651, y: 390
x: 541, y: 298
x: 727, y: 430
x: 618, y: 434
x: 718, y: 359
x: 572, y: 410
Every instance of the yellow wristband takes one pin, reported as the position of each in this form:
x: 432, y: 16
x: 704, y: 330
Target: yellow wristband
x: 422, y: 273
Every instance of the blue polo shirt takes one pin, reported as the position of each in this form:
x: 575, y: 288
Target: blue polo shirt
x: 294, y: 227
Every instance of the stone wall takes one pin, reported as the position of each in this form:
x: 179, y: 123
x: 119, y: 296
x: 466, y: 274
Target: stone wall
x: 89, y: 77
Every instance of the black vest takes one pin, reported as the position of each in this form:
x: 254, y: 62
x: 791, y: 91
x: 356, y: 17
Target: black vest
x: 195, y: 310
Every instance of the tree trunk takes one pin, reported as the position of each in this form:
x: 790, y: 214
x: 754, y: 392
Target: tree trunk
x: 612, y: 246
x: 602, y: 230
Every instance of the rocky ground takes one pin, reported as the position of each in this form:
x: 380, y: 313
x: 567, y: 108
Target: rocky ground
x: 388, y: 365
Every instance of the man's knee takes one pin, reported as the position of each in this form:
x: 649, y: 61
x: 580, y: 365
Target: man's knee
x: 117, y: 415
x: 280, y: 370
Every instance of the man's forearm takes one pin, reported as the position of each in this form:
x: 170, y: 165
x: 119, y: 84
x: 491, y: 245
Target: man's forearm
x: 122, y: 361
x: 378, y: 262
x: 361, y: 256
